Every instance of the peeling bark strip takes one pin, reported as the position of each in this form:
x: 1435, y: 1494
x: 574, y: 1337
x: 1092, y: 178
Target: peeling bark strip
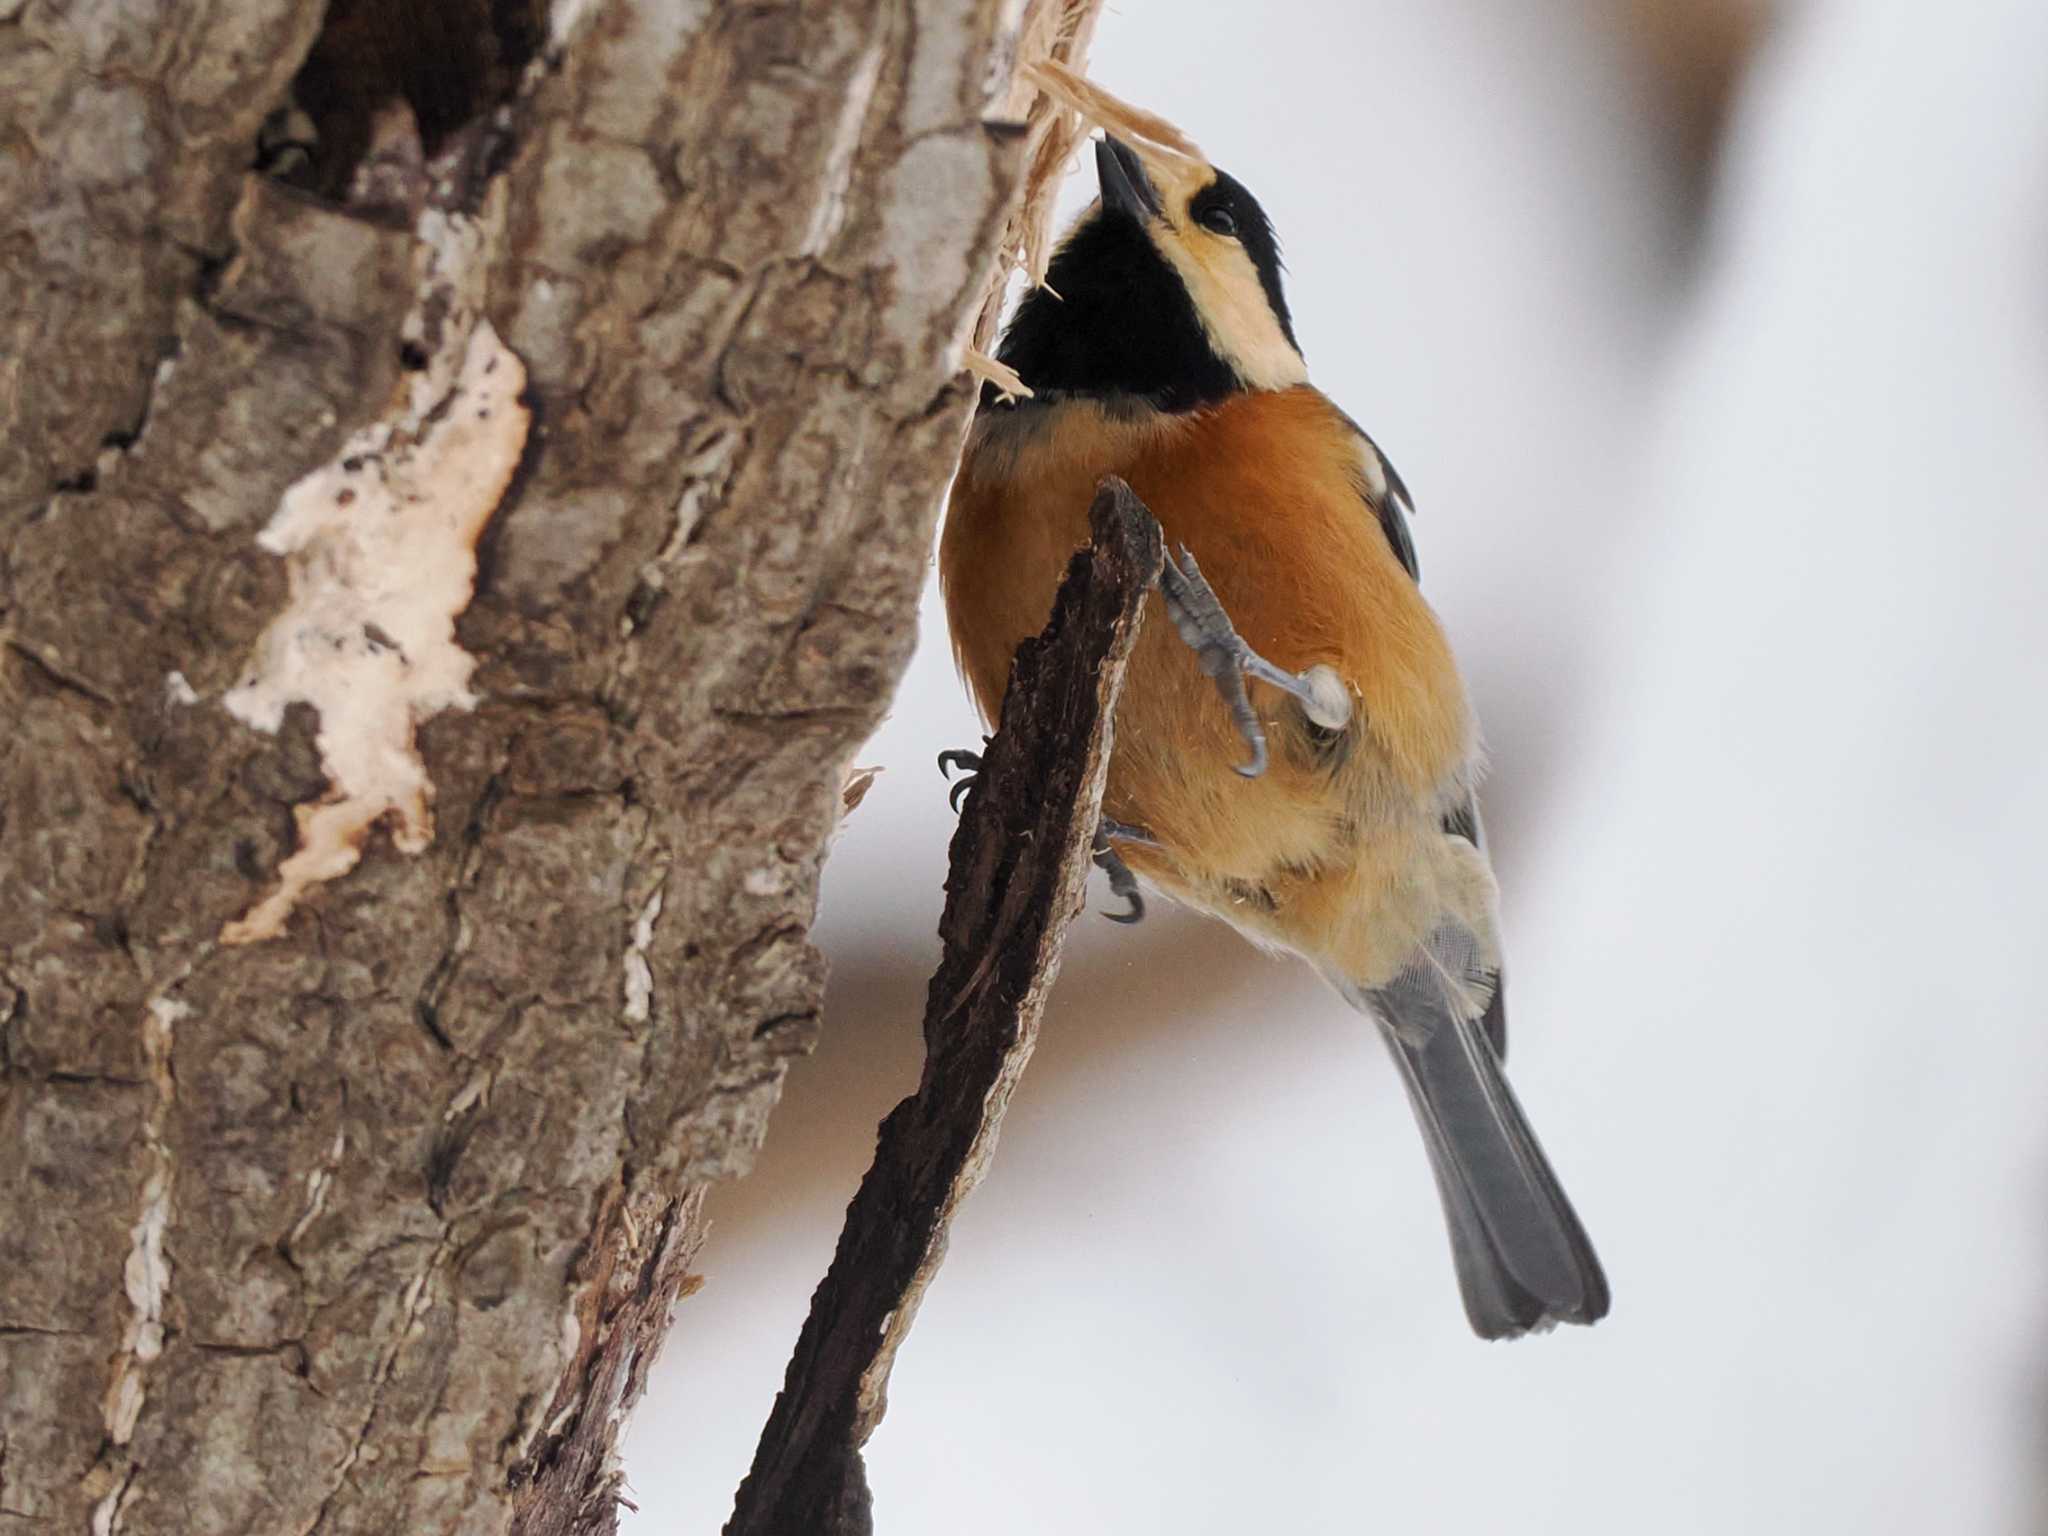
x: 1019, y: 864
x: 376, y: 1226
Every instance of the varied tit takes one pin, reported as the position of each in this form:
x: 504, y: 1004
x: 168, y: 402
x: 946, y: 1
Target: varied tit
x: 1160, y: 349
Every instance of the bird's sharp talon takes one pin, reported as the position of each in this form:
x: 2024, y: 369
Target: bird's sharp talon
x: 1122, y: 883
x: 969, y: 764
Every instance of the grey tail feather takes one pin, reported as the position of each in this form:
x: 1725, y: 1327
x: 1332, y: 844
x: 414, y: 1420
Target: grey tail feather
x: 1523, y: 1260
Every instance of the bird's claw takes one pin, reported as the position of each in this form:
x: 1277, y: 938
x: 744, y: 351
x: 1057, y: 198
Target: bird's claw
x: 1122, y: 883
x: 1198, y: 615
x: 1226, y: 659
x: 969, y: 764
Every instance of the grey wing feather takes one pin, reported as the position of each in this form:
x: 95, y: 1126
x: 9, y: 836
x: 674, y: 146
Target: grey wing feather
x: 1393, y: 512
x: 1394, y: 508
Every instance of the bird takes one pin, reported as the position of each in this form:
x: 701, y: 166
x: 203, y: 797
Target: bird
x: 1326, y: 805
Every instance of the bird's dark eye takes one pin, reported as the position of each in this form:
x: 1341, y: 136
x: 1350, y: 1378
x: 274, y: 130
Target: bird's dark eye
x: 1218, y: 220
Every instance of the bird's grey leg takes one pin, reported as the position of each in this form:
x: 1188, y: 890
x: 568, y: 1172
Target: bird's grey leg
x: 1227, y: 660
x: 1125, y: 832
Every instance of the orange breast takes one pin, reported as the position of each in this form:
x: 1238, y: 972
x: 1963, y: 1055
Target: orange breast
x: 1264, y: 490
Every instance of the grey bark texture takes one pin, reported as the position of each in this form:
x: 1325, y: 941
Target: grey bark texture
x: 374, y: 1225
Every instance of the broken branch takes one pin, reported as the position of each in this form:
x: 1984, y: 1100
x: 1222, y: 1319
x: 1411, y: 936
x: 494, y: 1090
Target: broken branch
x: 1019, y: 864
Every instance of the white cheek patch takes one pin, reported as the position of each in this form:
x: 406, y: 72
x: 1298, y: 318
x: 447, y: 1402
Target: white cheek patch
x: 1232, y: 306
x: 1373, y: 472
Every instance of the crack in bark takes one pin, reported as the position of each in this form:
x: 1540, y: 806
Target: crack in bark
x: 427, y: 1007
x: 638, y: 980
x: 318, y: 1182
x: 116, y: 443
x: 415, y: 1309
x: 106, y: 1515
x: 55, y: 673
x: 291, y: 1352
x: 146, y: 1277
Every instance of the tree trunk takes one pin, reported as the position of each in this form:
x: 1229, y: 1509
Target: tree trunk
x: 385, y: 969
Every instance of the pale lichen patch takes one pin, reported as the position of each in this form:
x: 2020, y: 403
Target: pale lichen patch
x: 639, y: 979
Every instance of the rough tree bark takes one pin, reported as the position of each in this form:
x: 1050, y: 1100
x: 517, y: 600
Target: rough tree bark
x: 372, y: 1225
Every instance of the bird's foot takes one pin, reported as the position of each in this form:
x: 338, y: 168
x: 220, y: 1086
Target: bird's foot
x: 969, y: 764
x: 1122, y: 883
x: 1227, y: 660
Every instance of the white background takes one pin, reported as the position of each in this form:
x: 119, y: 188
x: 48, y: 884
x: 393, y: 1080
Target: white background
x: 1742, y: 532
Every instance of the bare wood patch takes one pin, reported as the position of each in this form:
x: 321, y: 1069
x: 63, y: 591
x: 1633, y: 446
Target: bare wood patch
x: 381, y: 545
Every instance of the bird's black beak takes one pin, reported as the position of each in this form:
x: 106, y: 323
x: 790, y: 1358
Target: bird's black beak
x: 1125, y: 186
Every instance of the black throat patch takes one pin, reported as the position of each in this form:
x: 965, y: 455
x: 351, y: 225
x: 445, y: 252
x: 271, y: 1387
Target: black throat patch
x: 1122, y: 324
